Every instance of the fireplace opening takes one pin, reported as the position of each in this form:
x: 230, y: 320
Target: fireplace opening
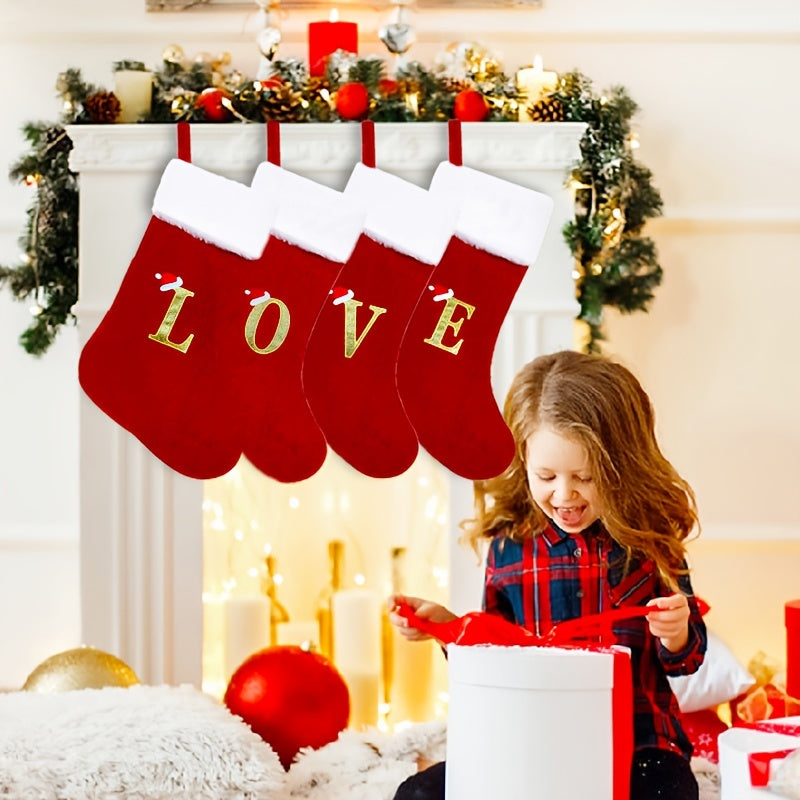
x: 312, y: 564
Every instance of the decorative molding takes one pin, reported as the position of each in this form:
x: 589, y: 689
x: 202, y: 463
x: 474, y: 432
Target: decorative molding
x: 757, y: 535
x: 721, y: 222
x: 326, y: 147
x: 200, y: 5
x: 513, y: 26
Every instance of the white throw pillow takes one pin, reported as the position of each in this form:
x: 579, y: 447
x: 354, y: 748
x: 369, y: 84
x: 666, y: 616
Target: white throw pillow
x: 154, y: 742
x: 720, y: 678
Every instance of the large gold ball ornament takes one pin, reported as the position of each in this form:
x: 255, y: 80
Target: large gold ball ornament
x: 81, y: 668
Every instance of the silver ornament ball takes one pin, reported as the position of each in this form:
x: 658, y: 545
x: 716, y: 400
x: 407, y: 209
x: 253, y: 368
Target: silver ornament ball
x: 397, y: 36
x: 268, y: 41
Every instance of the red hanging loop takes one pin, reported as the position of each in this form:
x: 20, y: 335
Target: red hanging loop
x: 368, y: 143
x: 454, y: 141
x: 274, y: 142
x: 184, y: 142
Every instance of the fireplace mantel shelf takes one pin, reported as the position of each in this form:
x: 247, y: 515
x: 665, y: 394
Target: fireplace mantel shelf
x: 141, y: 523
x: 326, y: 146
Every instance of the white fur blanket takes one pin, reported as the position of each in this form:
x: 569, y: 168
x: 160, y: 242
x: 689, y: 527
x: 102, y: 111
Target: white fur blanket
x: 165, y: 743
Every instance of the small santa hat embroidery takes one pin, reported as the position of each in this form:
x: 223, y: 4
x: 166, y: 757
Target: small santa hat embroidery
x: 440, y: 292
x: 257, y: 296
x: 168, y: 281
x: 341, y: 295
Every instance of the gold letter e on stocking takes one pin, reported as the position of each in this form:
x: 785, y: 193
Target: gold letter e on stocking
x: 446, y: 321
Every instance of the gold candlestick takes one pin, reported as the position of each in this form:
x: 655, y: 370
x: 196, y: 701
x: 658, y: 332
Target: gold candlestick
x: 277, y: 611
x: 324, y: 613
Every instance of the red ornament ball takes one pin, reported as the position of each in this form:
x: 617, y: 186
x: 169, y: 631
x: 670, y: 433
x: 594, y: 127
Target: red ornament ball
x: 388, y: 87
x: 470, y: 106
x: 210, y: 101
x: 352, y: 101
x: 291, y: 698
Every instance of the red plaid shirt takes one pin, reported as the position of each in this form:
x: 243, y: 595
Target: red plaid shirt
x: 556, y: 576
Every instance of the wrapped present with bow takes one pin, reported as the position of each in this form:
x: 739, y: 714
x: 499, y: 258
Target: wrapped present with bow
x: 761, y: 760
x: 546, y: 716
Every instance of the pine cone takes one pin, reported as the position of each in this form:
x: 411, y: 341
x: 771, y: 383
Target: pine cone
x: 47, y: 211
x: 56, y: 140
x: 282, y: 103
x: 102, y: 107
x: 548, y: 109
x: 319, y: 92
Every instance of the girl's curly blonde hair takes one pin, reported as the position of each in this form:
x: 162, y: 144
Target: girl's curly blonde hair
x: 646, y: 506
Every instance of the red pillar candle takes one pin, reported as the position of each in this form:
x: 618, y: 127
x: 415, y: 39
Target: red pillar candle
x: 793, y: 648
x: 325, y: 38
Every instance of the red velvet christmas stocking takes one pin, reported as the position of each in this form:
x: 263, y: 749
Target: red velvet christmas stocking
x: 314, y: 233
x: 349, y: 372
x: 155, y: 364
x: 444, y: 367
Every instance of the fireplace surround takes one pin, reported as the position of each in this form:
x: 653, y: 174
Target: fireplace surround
x: 141, y: 523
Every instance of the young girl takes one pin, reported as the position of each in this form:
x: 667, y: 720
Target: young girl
x: 589, y: 516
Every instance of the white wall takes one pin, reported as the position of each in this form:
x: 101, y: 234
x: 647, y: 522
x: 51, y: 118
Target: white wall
x: 715, y: 82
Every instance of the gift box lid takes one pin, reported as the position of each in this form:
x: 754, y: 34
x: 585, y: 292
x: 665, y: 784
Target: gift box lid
x: 532, y: 668
x: 792, y: 613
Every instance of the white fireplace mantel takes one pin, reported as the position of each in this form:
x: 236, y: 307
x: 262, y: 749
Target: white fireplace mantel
x: 140, y: 522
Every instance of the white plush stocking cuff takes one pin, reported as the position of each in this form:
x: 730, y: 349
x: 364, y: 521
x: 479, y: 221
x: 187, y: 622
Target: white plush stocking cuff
x: 495, y: 215
x: 312, y: 216
x: 213, y: 208
x: 400, y: 215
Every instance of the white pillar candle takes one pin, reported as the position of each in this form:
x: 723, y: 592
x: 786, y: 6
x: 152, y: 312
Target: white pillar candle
x: 357, y: 651
x: 213, y: 645
x: 534, y: 82
x: 246, y: 629
x: 133, y: 89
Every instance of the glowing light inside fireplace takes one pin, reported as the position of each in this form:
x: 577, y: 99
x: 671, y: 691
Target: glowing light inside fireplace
x: 260, y: 533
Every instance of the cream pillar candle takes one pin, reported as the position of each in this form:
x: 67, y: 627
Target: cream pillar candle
x: 134, y: 90
x: 534, y: 82
x: 357, y: 651
x: 246, y: 629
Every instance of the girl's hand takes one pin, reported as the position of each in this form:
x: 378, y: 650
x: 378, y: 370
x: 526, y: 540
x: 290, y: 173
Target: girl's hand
x: 422, y: 608
x: 669, y: 621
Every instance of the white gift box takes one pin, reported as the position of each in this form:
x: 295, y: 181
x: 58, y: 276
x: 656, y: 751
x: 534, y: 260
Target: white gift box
x: 735, y: 748
x: 534, y: 721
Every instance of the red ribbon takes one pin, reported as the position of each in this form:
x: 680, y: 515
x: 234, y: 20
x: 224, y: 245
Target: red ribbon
x: 480, y: 627
x: 759, y: 765
x: 776, y: 726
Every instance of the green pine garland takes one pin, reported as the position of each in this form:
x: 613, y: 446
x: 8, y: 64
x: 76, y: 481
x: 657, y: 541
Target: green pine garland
x: 616, y: 266
x: 48, y: 274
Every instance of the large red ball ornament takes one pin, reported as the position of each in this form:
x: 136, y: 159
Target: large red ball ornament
x: 352, y: 101
x: 291, y: 698
x: 470, y: 106
x: 210, y: 101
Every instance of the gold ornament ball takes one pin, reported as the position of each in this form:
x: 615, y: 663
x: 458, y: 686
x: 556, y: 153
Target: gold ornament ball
x: 173, y: 54
x: 81, y: 668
